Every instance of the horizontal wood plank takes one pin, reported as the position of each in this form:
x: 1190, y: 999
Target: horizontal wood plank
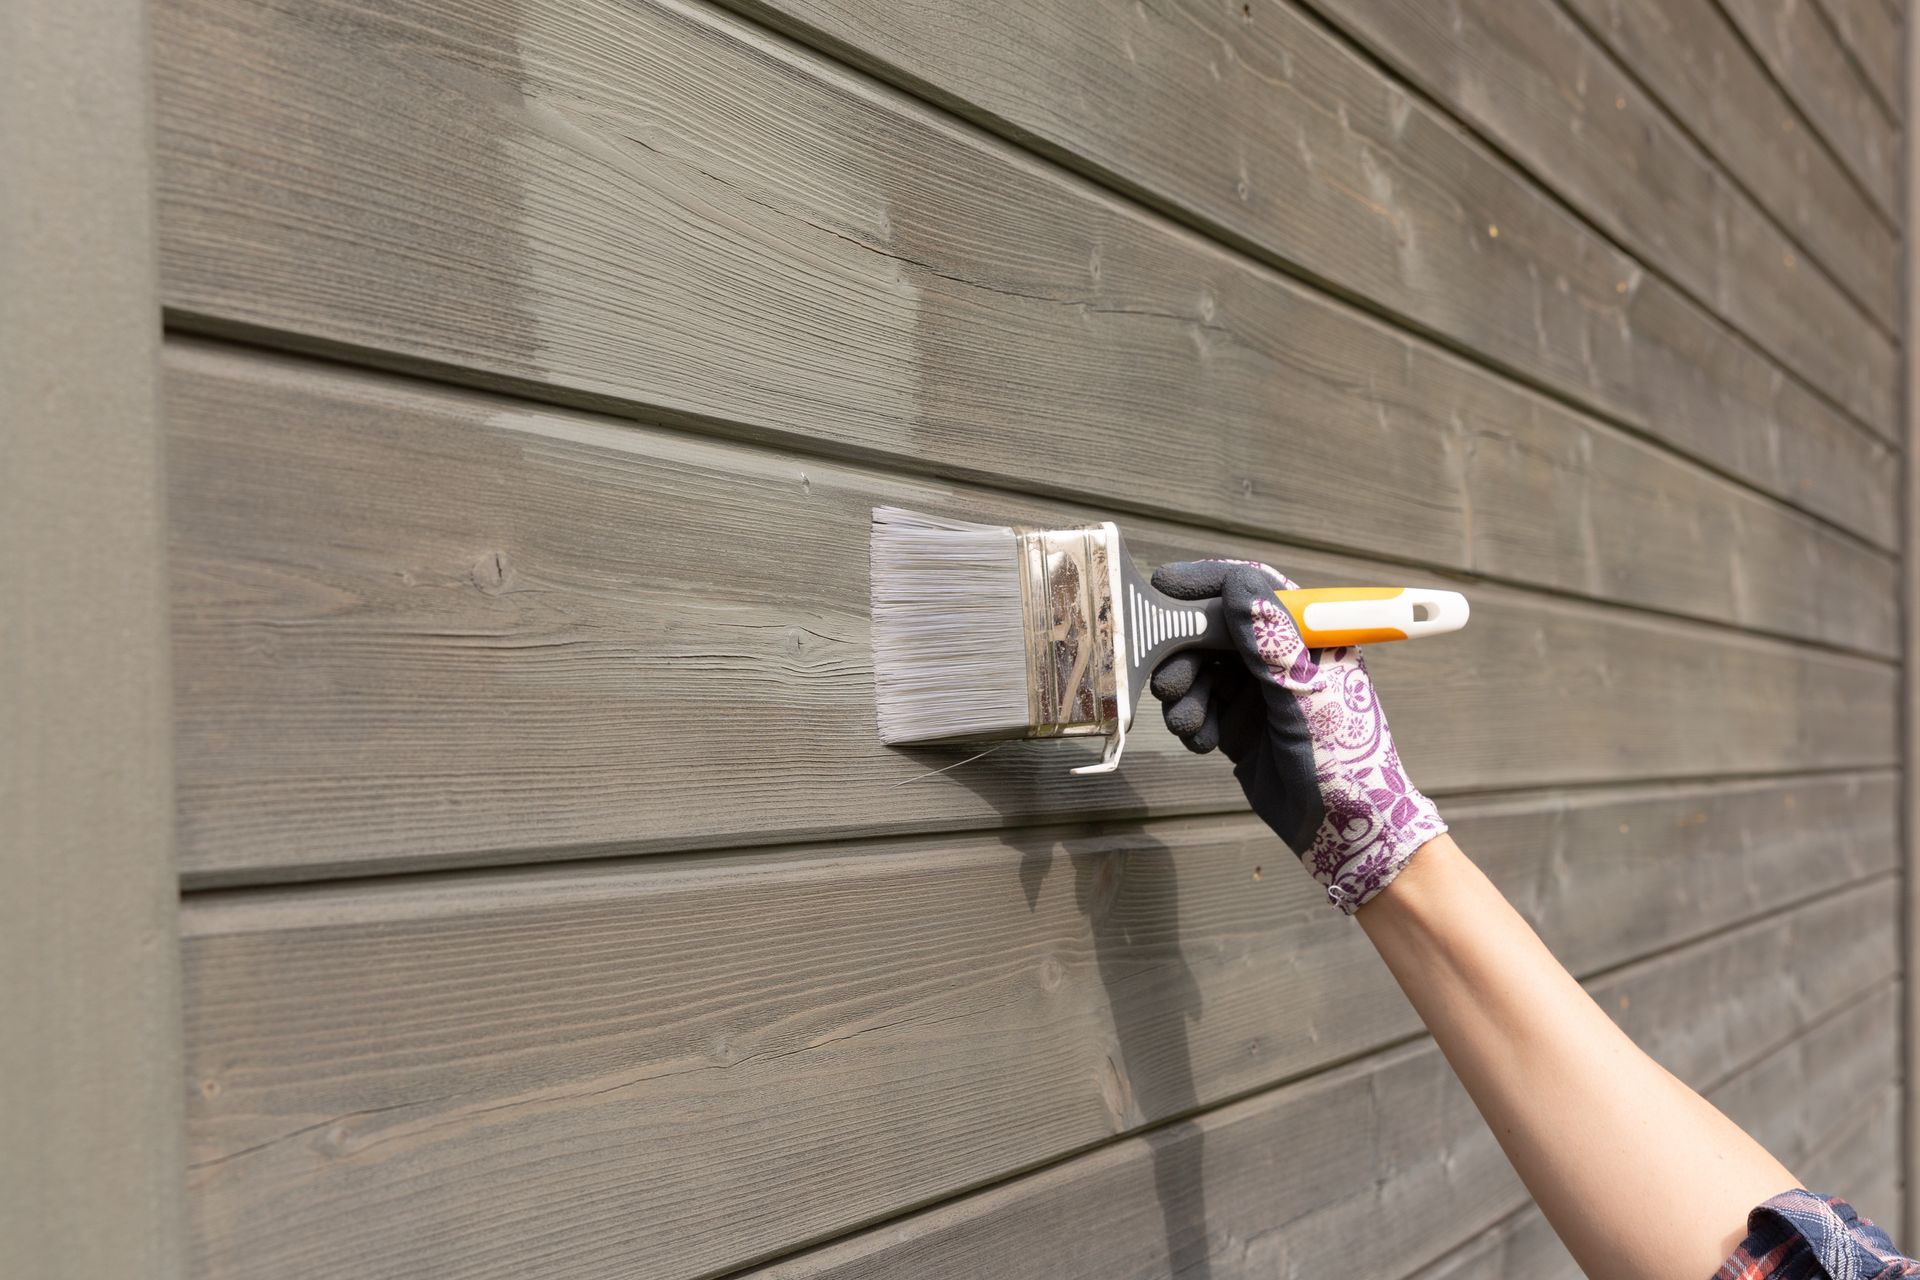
x: 1805, y: 56
x: 1861, y: 1163
x: 1804, y: 1097
x: 654, y: 208
x: 1695, y: 61
x: 416, y: 627
x: 1116, y: 98
x: 1597, y: 514
x: 1534, y: 81
x: 1871, y: 33
x: 648, y: 1058
x: 1794, y: 1101
x: 1523, y: 1247
x: 1373, y: 1169
x: 1610, y: 875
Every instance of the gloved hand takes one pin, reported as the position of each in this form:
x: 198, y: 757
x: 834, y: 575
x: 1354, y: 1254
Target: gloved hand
x: 1306, y: 735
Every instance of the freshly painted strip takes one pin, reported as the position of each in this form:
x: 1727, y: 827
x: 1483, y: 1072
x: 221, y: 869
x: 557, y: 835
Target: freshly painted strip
x: 661, y: 210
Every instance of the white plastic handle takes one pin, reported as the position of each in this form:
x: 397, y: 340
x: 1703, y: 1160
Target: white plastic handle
x: 1414, y: 612
x: 1433, y: 613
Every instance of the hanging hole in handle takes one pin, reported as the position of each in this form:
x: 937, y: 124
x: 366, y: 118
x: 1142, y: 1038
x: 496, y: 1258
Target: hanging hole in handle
x: 1423, y: 612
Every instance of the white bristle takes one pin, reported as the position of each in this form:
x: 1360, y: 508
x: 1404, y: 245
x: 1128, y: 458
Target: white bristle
x: 949, y: 649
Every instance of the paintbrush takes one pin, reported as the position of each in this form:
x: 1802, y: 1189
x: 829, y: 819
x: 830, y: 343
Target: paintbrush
x: 984, y: 632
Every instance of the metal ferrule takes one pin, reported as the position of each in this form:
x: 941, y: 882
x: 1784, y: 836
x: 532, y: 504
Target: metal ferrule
x: 1068, y: 579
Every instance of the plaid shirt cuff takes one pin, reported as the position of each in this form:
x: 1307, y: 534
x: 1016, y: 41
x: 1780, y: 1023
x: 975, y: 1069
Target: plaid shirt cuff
x: 1801, y: 1236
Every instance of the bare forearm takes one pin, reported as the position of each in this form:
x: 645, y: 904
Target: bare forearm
x: 1639, y: 1175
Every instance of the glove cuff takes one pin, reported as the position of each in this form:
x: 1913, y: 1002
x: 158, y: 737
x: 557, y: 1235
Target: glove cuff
x: 1367, y: 839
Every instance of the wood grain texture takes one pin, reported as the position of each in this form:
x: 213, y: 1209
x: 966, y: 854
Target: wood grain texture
x: 90, y: 1113
x: 653, y: 207
x: 1528, y: 77
x: 1794, y: 1101
x: 1872, y: 35
x: 680, y: 1064
x: 1806, y: 58
x: 415, y: 628
x: 1691, y: 58
x: 1372, y: 1169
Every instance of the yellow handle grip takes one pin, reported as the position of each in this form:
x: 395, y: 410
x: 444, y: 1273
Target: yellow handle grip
x: 1330, y: 617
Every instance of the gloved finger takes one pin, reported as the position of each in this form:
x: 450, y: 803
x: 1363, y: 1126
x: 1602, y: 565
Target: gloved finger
x: 1172, y: 678
x: 1191, y: 579
x: 1234, y: 706
x: 1207, y: 736
x: 1242, y: 713
x: 1185, y: 716
x: 1199, y: 579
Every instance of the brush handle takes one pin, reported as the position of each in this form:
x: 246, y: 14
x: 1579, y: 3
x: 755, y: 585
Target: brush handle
x: 1329, y: 617
x: 1158, y: 626
x: 1148, y: 626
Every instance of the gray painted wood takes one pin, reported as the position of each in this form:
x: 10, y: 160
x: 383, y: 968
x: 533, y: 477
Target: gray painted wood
x: 420, y: 627
x: 90, y: 1116
x: 1871, y: 34
x: 1523, y: 1247
x: 1845, y: 1059
x: 1793, y: 1101
x: 677, y: 1065
x: 1544, y: 502
x: 1867, y: 1156
x: 1531, y: 79
x: 1805, y: 56
x: 1696, y: 63
x: 655, y: 208
x: 1293, y: 1181
x: 1649, y: 860
x: 423, y: 627
x: 1522, y: 491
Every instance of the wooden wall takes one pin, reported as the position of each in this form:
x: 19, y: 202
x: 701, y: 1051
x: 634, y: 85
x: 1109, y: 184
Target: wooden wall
x: 551, y: 907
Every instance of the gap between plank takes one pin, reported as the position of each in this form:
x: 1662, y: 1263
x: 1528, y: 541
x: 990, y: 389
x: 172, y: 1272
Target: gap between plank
x: 1680, y: 122
x: 185, y: 322
x: 1011, y: 134
x: 374, y: 363
x: 1310, y: 9
x: 1860, y: 73
x: 697, y: 857
x: 1807, y: 122
x: 1507, y: 1223
x: 1381, y: 1050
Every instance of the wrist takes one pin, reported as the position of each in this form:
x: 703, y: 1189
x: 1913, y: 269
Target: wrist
x: 1429, y: 876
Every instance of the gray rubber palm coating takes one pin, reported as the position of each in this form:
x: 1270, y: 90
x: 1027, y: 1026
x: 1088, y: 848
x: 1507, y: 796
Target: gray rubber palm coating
x: 1232, y: 701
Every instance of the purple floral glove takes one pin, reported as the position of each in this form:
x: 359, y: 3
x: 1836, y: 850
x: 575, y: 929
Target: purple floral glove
x: 1304, y: 730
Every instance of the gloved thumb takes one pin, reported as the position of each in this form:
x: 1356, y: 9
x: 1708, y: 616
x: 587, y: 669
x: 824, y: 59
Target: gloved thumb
x: 1263, y: 632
